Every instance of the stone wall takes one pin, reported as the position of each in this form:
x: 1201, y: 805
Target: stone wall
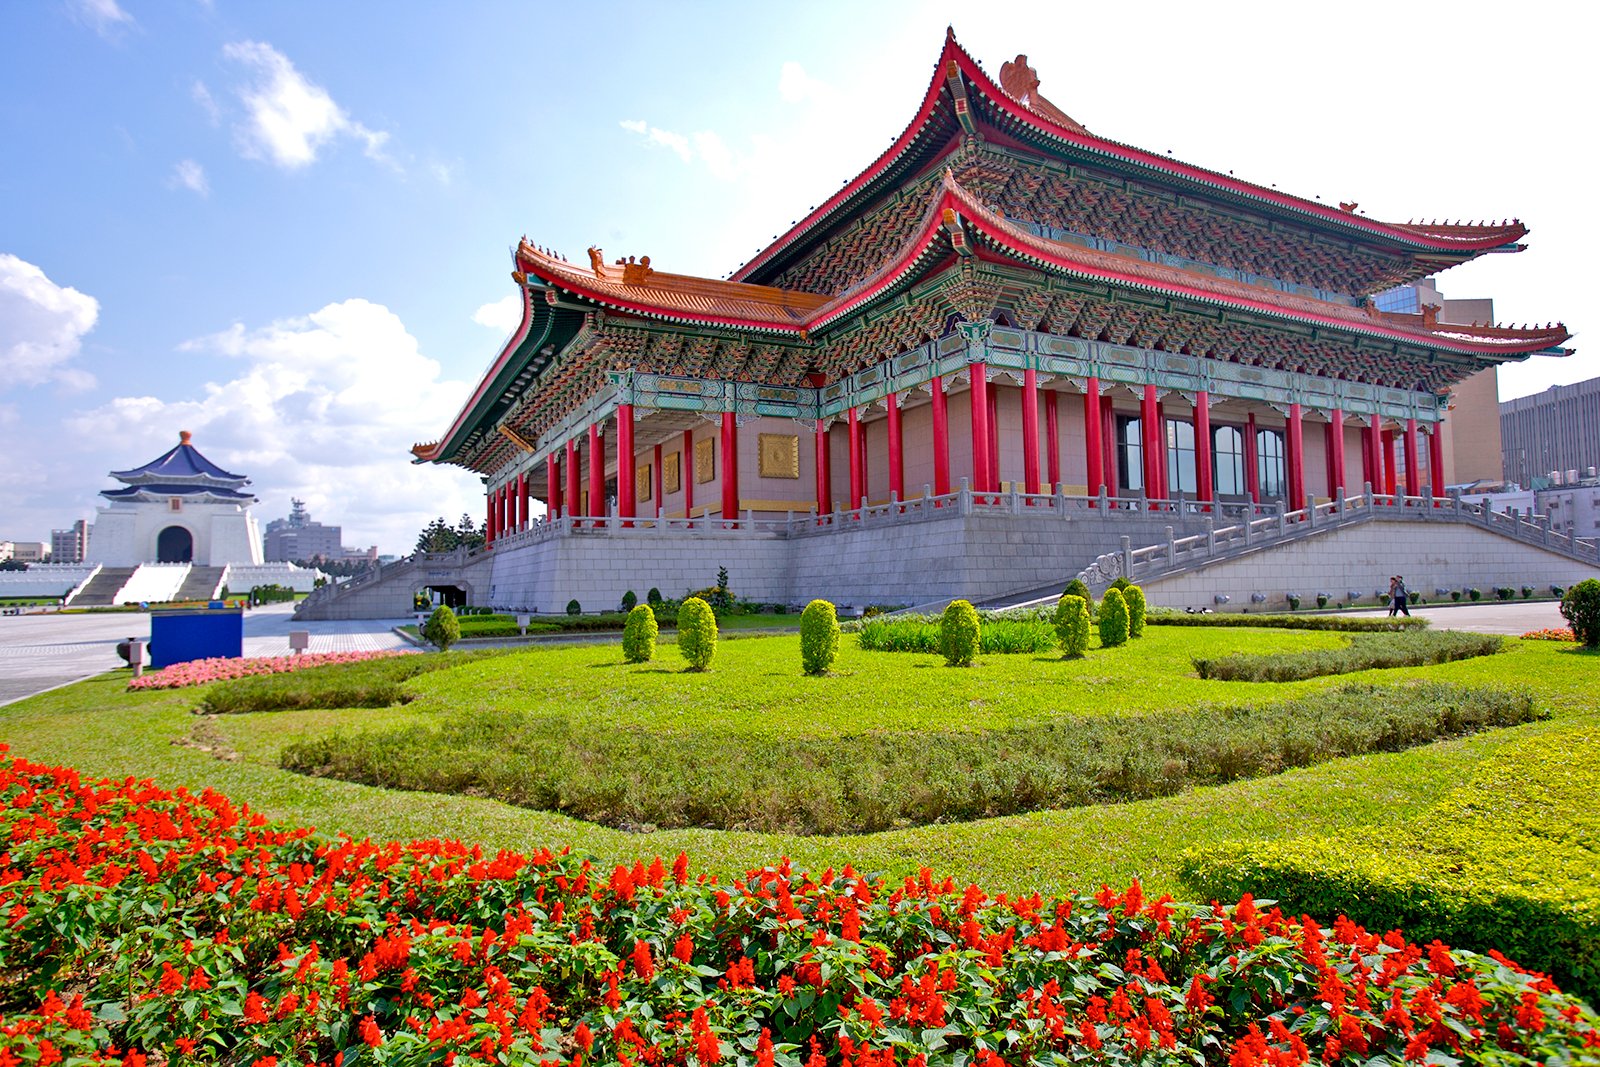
x: 1430, y: 556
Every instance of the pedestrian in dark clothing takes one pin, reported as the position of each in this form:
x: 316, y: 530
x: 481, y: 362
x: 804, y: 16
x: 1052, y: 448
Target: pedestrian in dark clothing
x: 1399, y: 598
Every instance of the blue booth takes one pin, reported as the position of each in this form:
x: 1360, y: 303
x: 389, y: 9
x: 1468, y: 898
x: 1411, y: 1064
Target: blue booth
x: 202, y: 633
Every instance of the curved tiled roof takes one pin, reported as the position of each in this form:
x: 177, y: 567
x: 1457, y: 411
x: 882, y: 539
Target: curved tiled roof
x: 181, y: 463
x: 160, y: 490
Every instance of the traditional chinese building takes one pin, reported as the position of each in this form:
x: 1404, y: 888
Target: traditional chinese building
x: 1003, y: 300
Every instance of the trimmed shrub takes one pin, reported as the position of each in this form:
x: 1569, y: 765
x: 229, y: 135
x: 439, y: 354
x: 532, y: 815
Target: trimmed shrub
x: 1322, y: 600
x: 1527, y: 591
x: 1076, y: 587
x: 1461, y: 872
x: 1072, y: 625
x: 958, y: 633
x: 1359, y: 623
x: 442, y: 628
x: 574, y: 608
x: 920, y: 633
x: 1293, y: 600
x: 629, y: 600
x: 1475, y: 593
x: 1364, y: 653
x: 1134, y: 596
x: 1455, y: 596
x: 373, y: 683
x: 1121, y: 585
x: 1581, y: 608
x: 1504, y: 592
x: 653, y: 597
x: 819, y: 637
x: 1113, y: 619
x: 697, y: 633
x: 639, y: 635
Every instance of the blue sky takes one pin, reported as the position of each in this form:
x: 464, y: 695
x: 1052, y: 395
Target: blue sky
x: 286, y: 226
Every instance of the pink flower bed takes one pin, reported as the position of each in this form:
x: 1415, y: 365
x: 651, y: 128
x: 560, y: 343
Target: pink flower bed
x: 201, y: 671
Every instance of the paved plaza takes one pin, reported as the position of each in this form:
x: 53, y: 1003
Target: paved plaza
x: 39, y: 652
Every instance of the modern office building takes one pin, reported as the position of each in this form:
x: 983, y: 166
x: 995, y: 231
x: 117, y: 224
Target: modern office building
x: 1552, y: 438
x: 70, y: 545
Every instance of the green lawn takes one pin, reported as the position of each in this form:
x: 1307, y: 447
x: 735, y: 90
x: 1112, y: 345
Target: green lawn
x: 756, y: 686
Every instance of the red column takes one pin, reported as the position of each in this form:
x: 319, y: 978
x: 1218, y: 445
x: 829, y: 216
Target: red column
x: 500, y: 513
x: 897, y: 481
x: 856, y: 486
x: 824, y: 472
x: 1436, y: 460
x: 657, y: 493
x: 552, y: 492
x: 730, y: 465
x: 1413, y: 477
x: 686, y: 473
x: 1389, y: 472
x: 1295, y: 446
x: 1052, y: 442
x: 1108, y: 444
x: 1161, y: 450
x: 488, y: 520
x: 522, y: 501
x: 978, y: 399
x: 625, y: 488
x: 597, y: 473
x: 1375, y: 453
x: 941, y: 440
x: 1030, y: 431
x: 1203, y: 486
x: 574, y: 493
x: 1336, y: 455
x: 1093, y: 456
x: 1149, y: 435
x: 1252, y: 465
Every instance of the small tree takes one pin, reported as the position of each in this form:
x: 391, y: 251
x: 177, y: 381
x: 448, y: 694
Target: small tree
x: 819, y: 637
x: 1121, y: 584
x: 697, y: 633
x: 629, y: 599
x: 653, y: 597
x: 721, y: 598
x: 959, y: 634
x: 442, y: 628
x: 574, y: 608
x: 639, y: 635
x: 1134, y: 597
x: 1581, y: 608
x: 1113, y: 619
x: 1072, y: 625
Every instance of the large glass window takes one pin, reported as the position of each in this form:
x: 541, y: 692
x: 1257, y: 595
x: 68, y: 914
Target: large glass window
x: 1180, y: 458
x: 1227, y: 451
x: 1130, y: 455
x: 1269, y: 464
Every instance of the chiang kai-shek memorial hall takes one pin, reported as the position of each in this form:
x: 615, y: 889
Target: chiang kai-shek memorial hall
x: 1004, y: 303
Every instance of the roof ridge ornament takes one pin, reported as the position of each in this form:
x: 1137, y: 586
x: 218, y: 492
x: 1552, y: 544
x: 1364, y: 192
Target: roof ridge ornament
x: 1021, y: 83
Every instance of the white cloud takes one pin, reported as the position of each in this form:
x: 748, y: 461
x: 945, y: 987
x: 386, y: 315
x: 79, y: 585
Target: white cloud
x: 290, y: 117
x: 675, y: 141
x: 207, y: 102
x: 795, y: 86
x: 104, y: 17
x: 41, y: 326
x: 503, y: 315
x: 325, y: 408
x: 187, y: 174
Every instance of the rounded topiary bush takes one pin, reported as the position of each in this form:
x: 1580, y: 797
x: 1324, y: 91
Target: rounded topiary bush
x: 819, y: 637
x: 629, y: 599
x: 639, y: 635
x: 1121, y: 584
x: 1113, y: 619
x: 1581, y: 608
x: 1078, y: 588
x: 1072, y: 625
x: 958, y: 633
x: 574, y: 608
x: 1134, y: 597
x: 653, y: 597
x: 697, y: 633
x: 442, y: 628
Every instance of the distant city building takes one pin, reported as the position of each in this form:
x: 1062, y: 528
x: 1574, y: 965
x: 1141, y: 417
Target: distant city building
x: 70, y: 545
x: 24, y: 551
x: 1552, y: 438
x: 178, y: 508
x: 298, y: 537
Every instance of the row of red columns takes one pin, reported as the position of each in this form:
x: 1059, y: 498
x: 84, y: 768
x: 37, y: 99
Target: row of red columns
x: 508, y: 505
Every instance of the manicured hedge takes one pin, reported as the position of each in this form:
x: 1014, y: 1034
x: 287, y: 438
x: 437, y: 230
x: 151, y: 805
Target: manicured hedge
x: 1287, y: 622
x: 146, y: 926
x: 373, y: 683
x: 916, y: 633
x: 1365, y: 652
x: 867, y: 782
x: 1506, y: 861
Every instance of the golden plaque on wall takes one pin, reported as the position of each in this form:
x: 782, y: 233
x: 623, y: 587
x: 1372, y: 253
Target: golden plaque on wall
x: 779, y: 455
x: 670, y: 474
x: 705, y: 461
x: 643, y: 487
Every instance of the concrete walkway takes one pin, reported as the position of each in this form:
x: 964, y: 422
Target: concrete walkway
x: 1513, y: 617
x: 39, y: 652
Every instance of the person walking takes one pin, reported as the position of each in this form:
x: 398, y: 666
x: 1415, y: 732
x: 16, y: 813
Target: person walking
x: 1399, y: 598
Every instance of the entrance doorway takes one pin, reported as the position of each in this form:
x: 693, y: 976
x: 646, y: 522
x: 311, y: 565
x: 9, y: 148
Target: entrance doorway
x: 175, y: 545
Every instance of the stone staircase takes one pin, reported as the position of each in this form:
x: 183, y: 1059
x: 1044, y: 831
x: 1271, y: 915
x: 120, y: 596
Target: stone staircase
x: 101, y: 590
x: 201, y: 583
